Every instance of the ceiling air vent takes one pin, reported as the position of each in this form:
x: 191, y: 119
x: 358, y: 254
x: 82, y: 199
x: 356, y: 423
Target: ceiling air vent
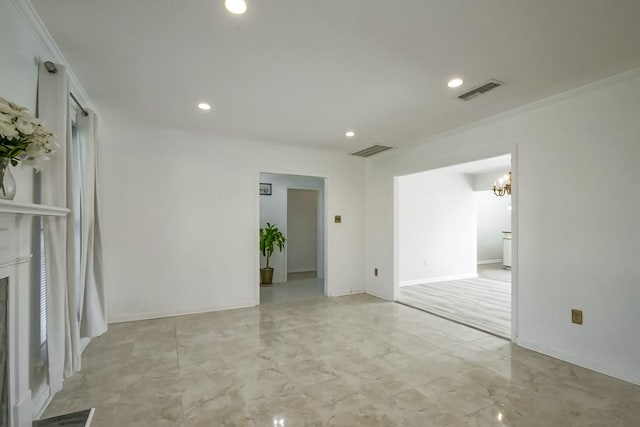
x: 374, y: 149
x: 490, y: 85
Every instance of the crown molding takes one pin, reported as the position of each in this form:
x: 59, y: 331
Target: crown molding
x: 37, y: 26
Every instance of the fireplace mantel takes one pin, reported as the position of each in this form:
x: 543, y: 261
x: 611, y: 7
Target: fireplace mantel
x: 11, y: 207
x: 15, y: 264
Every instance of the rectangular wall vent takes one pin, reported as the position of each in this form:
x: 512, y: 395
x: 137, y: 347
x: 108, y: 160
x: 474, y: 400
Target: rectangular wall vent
x: 374, y: 149
x: 480, y: 90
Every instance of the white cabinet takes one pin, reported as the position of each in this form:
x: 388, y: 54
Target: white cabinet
x: 506, y: 249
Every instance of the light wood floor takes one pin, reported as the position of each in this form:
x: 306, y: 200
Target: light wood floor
x: 481, y: 302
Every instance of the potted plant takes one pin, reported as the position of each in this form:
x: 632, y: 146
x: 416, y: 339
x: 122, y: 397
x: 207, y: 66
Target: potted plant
x: 270, y: 238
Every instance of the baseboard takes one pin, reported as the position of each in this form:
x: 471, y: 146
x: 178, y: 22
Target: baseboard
x: 490, y: 261
x: 588, y: 364
x: 343, y: 294
x: 438, y: 279
x: 84, y: 342
x: 303, y: 270
x: 21, y: 412
x: 161, y: 314
x: 379, y: 295
x: 40, y: 401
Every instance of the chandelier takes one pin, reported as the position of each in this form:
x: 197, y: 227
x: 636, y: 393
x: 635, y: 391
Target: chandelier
x: 503, y: 185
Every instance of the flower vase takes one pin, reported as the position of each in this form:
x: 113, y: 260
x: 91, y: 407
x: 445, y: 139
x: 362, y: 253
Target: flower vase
x: 7, y: 182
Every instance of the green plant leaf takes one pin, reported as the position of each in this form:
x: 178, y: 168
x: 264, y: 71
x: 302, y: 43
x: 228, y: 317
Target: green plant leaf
x: 270, y: 237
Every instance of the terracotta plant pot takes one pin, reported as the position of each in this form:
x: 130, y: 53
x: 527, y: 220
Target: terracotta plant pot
x: 266, y: 276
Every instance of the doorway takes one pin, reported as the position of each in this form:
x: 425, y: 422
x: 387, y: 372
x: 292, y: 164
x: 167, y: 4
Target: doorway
x: 296, y: 205
x: 454, y: 244
x: 302, y: 226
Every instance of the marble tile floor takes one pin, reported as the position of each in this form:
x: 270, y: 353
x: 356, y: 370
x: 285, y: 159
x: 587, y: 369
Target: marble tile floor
x: 302, y: 275
x: 348, y: 361
x: 293, y: 291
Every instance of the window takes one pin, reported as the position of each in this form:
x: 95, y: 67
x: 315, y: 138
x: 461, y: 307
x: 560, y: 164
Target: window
x: 42, y: 272
x: 77, y: 163
x: 39, y: 365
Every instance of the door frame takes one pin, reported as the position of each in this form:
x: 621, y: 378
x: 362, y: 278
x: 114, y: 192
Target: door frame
x: 515, y: 236
x: 325, y: 235
x: 318, y: 221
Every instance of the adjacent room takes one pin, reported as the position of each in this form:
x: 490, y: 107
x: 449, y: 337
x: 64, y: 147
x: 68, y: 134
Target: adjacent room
x: 454, y: 243
x: 292, y: 206
x: 319, y: 213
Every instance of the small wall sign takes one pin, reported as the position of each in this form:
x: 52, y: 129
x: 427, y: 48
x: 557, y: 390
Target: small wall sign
x: 265, y: 189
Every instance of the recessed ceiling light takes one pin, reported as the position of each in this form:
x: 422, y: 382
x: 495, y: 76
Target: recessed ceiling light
x: 237, y: 7
x: 350, y: 134
x: 455, y: 82
x: 204, y: 106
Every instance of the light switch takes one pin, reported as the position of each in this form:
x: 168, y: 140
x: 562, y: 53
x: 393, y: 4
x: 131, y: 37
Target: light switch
x: 337, y: 219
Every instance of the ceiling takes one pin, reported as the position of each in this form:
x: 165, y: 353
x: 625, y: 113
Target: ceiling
x: 304, y: 71
x: 498, y: 165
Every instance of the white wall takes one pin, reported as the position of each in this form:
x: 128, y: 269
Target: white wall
x: 485, y: 181
x: 302, y: 226
x: 577, y: 206
x: 437, y: 227
x: 273, y: 209
x: 23, y: 44
x: 181, y: 226
x: 19, y: 50
x: 493, y: 218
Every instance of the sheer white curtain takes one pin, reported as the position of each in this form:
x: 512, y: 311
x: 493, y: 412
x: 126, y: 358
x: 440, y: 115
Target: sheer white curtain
x: 93, y: 310
x: 63, y: 343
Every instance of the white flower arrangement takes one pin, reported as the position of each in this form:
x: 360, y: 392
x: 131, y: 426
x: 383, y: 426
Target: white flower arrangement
x: 23, y: 139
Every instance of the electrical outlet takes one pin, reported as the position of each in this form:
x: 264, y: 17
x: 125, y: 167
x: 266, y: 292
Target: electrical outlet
x: 576, y: 316
x: 375, y: 272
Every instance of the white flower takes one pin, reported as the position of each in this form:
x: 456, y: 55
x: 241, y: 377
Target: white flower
x: 8, y: 130
x: 6, y: 109
x: 16, y: 107
x: 14, y: 110
x: 25, y: 127
x: 24, y: 136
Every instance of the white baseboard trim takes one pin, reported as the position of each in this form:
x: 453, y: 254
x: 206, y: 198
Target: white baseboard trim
x: 43, y: 397
x: 437, y: 279
x: 40, y: 401
x: 379, y: 295
x: 345, y: 293
x: 161, y: 314
x: 633, y: 378
x: 490, y: 261
x: 21, y: 412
